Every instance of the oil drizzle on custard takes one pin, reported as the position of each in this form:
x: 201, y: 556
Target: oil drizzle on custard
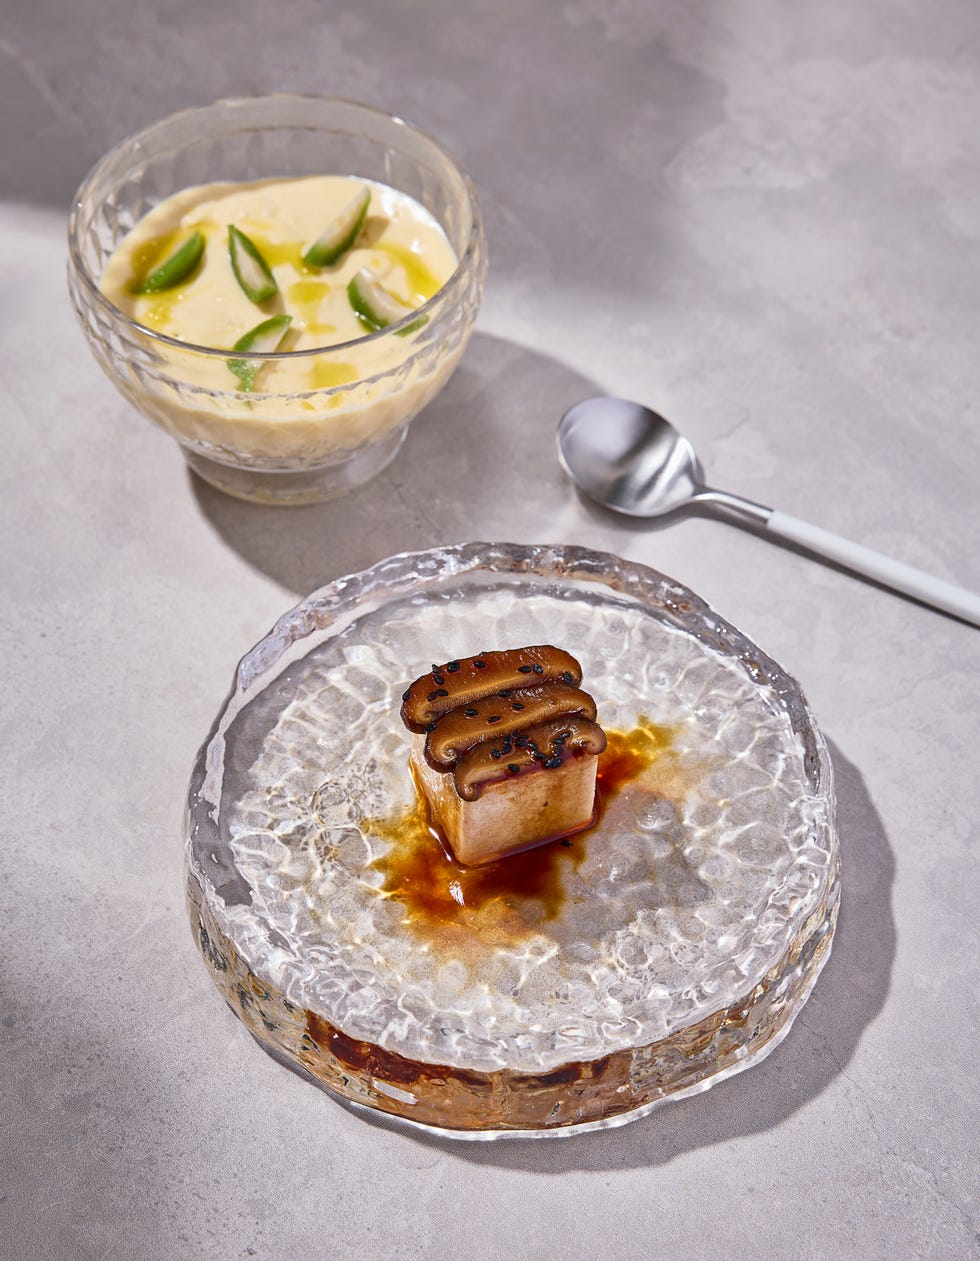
x: 421, y: 281
x: 511, y: 897
x: 157, y: 308
x: 304, y: 294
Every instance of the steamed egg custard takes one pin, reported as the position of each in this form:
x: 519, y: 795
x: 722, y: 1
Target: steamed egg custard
x: 275, y: 266
x: 399, y: 243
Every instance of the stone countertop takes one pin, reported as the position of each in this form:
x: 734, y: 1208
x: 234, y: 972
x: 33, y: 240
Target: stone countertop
x: 762, y: 220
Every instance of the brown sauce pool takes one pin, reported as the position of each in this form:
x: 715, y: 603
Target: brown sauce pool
x: 512, y: 896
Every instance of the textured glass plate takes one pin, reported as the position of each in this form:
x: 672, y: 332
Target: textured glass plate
x: 667, y: 948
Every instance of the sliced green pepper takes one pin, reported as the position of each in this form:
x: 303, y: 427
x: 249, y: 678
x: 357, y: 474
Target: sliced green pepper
x: 174, y: 269
x: 341, y: 234
x: 251, y: 270
x: 375, y: 306
x: 264, y: 339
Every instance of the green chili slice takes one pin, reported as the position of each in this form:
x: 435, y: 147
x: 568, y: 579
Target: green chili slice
x: 174, y: 269
x: 251, y: 270
x: 263, y: 339
x: 341, y: 234
x: 375, y: 306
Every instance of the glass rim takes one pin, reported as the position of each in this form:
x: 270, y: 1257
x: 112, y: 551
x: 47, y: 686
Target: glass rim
x: 428, y: 308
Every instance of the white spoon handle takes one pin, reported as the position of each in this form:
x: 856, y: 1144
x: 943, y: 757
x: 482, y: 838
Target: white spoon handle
x: 923, y: 586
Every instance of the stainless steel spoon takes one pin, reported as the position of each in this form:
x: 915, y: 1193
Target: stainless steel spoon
x: 628, y: 458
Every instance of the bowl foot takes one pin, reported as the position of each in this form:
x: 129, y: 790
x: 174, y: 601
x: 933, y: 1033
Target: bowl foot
x: 288, y: 488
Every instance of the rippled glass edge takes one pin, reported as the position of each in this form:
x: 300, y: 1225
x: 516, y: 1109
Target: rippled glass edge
x: 342, y: 600
x: 580, y: 1098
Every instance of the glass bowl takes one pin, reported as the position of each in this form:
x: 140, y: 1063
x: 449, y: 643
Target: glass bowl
x: 296, y: 445
x: 577, y: 986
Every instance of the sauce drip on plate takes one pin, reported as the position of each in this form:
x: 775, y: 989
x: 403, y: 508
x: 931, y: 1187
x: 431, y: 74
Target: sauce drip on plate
x: 513, y: 896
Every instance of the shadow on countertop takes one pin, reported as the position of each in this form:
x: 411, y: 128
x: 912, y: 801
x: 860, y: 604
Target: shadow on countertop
x: 848, y: 995
x: 461, y: 446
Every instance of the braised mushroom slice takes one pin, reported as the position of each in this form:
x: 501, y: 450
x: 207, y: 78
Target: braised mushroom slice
x: 495, y: 716
x: 545, y: 746
x: 471, y: 679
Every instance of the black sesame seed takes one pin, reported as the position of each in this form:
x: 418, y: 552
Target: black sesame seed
x: 506, y: 746
x: 513, y: 767
x: 567, y: 844
x: 504, y: 694
x: 566, y: 677
x: 432, y: 696
x: 441, y: 691
x: 520, y: 741
x: 470, y: 713
x: 517, y: 705
x: 435, y: 668
x: 405, y: 696
x: 430, y: 726
x: 495, y: 754
x: 438, y: 678
x: 453, y: 667
x: 494, y: 718
x: 538, y: 669
x: 523, y: 669
x: 480, y: 665
x: 553, y: 763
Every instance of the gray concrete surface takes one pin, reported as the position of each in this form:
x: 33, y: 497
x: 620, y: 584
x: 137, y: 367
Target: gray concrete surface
x: 761, y: 218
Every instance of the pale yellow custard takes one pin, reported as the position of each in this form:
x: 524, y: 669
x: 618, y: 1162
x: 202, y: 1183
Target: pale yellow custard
x: 296, y: 409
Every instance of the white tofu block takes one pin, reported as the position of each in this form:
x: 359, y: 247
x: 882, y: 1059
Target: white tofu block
x: 536, y: 805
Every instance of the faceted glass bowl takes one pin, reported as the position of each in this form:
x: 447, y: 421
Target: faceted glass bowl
x: 300, y: 446
x: 572, y: 988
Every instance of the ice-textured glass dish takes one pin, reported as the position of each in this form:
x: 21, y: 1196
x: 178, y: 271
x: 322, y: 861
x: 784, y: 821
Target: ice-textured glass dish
x: 299, y: 445
x: 570, y: 988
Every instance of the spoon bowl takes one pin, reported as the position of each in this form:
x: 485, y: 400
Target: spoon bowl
x: 628, y: 457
